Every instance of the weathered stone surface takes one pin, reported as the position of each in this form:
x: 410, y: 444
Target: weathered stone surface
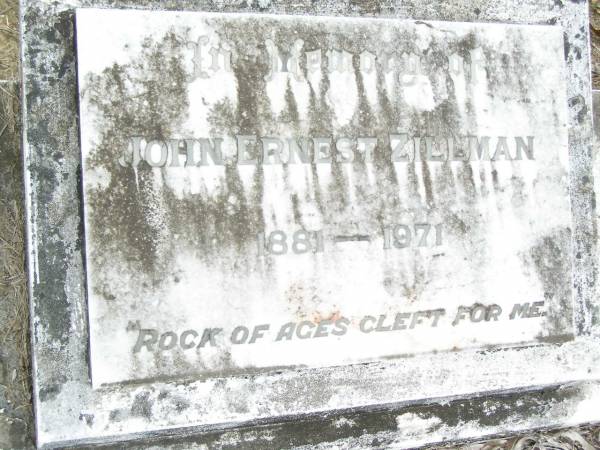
x: 69, y: 410
x: 279, y: 191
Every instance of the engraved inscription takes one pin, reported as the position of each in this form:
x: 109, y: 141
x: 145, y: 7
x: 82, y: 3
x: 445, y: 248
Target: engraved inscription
x: 271, y: 191
x: 190, y: 152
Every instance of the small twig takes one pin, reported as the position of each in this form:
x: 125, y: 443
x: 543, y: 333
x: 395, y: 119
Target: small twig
x: 6, y: 91
x: 8, y: 30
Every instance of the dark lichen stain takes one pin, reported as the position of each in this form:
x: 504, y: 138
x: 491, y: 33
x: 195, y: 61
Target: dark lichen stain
x: 51, y: 389
x: 52, y: 252
x: 142, y: 406
x: 87, y: 418
x: 154, y: 91
x: 551, y: 258
x: 163, y: 394
x: 379, y: 426
x: 116, y: 415
x: 181, y: 405
x: 581, y: 104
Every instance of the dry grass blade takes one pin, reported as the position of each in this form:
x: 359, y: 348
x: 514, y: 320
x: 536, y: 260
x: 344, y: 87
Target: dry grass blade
x: 14, y: 307
x: 8, y: 40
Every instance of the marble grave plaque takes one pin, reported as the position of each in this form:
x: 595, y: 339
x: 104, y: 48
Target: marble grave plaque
x: 273, y: 191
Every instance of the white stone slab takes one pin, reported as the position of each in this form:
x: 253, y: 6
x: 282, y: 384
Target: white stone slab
x: 172, y: 252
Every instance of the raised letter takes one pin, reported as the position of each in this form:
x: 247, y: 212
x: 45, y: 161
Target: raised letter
x: 398, y: 142
x: 301, y: 150
x: 258, y: 332
x: 431, y: 156
x: 272, y: 146
x: 344, y: 150
x: 183, y: 342
x: 527, y: 148
x: 175, y: 149
x: 501, y: 149
x: 215, y: 151
x: 519, y: 311
x: 481, y: 147
x: 209, y: 336
x: 146, y: 338
x: 299, y: 332
x: 366, y: 145
x: 197, y: 59
x: 286, y: 331
x: 164, y: 153
x: 242, y: 144
x: 136, y: 157
x: 320, y: 143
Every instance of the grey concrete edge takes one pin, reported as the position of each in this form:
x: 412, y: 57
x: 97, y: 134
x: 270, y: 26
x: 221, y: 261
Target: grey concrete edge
x: 80, y: 396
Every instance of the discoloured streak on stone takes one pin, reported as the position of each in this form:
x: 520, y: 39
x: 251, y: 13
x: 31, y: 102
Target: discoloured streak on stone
x: 378, y: 428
